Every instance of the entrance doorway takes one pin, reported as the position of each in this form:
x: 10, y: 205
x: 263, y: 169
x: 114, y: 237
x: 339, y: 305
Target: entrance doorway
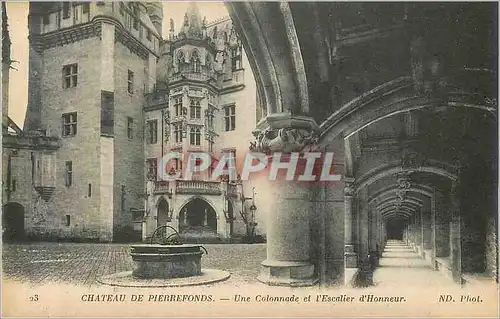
x: 13, y: 222
x: 197, y: 216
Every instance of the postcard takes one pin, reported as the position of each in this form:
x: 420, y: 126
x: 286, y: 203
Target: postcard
x: 249, y: 159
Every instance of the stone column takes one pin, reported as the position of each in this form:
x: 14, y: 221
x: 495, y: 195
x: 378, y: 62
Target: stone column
x: 455, y: 243
x: 350, y: 258
x: 363, y: 229
x: 433, y: 231
x: 205, y: 218
x: 372, y: 236
x: 427, y: 233
x: 285, y: 203
x: 441, y: 226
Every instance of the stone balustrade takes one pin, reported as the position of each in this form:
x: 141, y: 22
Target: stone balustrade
x: 202, y: 187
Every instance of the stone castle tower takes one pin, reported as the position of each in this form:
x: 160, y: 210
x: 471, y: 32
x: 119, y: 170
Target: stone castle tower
x: 204, y: 102
x: 91, y: 63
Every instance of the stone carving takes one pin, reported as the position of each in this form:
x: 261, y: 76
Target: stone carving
x: 219, y: 60
x: 349, y: 189
x: 167, y: 126
x: 410, y: 160
x: 282, y: 140
x: 404, y: 184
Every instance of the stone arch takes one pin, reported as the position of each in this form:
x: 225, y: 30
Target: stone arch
x: 444, y: 170
x: 391, y: 98
x: 198, y: 217
x: 424, y: 190
x: 13, y: 222
x: 185, y: 202
x: 195, y: 60
x: 180, y: 57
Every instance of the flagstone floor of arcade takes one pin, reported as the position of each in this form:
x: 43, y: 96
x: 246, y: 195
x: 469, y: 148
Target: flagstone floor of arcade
x: 401, y: 265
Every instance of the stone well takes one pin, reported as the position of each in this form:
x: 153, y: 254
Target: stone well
x: 166, y: 261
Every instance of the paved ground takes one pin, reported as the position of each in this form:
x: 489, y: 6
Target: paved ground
x: 401, y: 264
x: 81, y: 264
x: 51, y: 279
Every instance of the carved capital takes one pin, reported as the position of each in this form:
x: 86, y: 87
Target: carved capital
x: 349, y: 188
x: 284, y: 133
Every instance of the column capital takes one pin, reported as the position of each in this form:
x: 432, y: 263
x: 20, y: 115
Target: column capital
x: 349, y: 188
x: 284, y: 132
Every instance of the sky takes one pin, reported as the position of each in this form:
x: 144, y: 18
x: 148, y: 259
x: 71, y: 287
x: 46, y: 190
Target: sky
x: 18, y: 26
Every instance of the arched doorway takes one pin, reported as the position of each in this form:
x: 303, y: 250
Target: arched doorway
x: 197, y: 217
x: 162, y: 217
x: 13, y: 222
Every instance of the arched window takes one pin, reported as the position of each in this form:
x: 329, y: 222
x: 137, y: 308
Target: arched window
x: 195, y: 109
x: 195, y: 136
x: 208, y: 61
x: 195, y: 62
x: 180, y: 60
x: 198, y: 136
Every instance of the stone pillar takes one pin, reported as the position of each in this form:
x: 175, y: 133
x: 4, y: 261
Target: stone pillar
x: 205, y: 218
x: 350, y: 258
x: 363, y: 230
x: 441, y: 225
x: 433, y: 230
x: 285, y: 203
x: 426, y: 230
x: 418, y: 231
x: 455, y: 242
x: 372, y: 236
x: 328, y: 224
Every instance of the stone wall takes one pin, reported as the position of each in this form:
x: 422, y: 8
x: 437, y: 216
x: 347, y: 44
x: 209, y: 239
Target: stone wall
x: 492, y: 247
x: 128, y: 152
x: 83, y: 148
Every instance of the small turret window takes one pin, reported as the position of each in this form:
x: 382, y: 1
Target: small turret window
x: 195, y: 62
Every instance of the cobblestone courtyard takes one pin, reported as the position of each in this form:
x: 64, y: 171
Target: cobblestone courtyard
x: 52, y: 278
x: 82, y: 264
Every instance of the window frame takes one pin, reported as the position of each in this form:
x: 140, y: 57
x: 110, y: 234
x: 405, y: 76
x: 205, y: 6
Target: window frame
x: 130, y: 128
x: 230, y: 117
x: 68, y: 165
x: 195, y: 136
x: 66, y: 10
x: 86, y: 6
x: 194, y: 108
x: 152, y: 127
x: 46, y: 19
x: 130, y: 81
x: 70, y: 75
x: 70, y: 121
